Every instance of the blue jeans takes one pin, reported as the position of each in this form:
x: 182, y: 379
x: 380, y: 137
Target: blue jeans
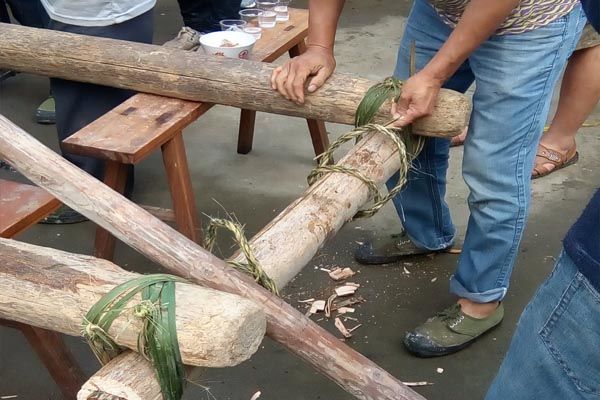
x: 515, y: 76
x: 555, y: 352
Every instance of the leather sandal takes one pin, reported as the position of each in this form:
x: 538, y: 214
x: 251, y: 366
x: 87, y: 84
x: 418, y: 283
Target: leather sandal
x: 553, y: 157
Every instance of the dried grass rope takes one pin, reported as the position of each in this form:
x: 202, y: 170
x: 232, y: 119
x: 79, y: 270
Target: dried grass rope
x: 408, y: 145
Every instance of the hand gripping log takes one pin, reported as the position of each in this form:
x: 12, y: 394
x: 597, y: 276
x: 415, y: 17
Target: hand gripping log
x: 194, y: 76
x: 159, y: 242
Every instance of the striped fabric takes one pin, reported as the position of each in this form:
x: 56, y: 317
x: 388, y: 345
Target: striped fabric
x: 527, y: 16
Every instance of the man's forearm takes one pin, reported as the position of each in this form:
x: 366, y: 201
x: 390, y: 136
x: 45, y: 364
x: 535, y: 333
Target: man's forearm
x: 322, y: 22
x: 479, y: 21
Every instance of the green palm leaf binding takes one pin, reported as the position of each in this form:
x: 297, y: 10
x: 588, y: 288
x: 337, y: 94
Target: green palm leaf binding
x: 409, y: 146
x: 157, y: 340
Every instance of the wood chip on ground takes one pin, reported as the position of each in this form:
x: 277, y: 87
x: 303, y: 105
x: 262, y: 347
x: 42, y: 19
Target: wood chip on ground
x: 338, y: 274
x: 340, y: 327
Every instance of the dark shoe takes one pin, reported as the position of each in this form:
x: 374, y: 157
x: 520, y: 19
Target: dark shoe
x: 64, y: 215
x: 6, y: 166
x: 398, y: 248
x: 449, y: 331
x: 45, y: 113
x: 5, y: 74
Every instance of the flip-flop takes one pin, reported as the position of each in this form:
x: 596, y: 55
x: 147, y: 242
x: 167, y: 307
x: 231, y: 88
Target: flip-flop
x: 553, y: 157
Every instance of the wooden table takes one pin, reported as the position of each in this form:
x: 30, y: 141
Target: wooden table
x: 142, y: 124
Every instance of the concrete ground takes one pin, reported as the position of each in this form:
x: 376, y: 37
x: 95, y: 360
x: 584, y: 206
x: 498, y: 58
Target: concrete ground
x: 259, y: 185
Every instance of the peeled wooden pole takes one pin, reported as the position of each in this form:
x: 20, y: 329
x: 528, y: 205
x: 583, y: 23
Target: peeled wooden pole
x: 161, y: 243
x: 127, y: 377
x: 195, y: 76
x: 54, y: 290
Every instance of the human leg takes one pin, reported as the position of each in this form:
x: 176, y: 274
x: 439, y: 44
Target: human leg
x: 204, y: 15
x: 553, y: 353
x: 515, y: 75
x: 421, y: 205
x: 579, y: 94
x: 78, y: 104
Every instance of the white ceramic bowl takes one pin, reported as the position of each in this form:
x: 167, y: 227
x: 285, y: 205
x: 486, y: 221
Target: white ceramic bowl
x: 212, y: 43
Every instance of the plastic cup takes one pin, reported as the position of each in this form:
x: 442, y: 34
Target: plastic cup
x: 267, y: 19
x: 250, y: 15
x: 282, y: 10
x: 232, y: 25
x: 254, y: 31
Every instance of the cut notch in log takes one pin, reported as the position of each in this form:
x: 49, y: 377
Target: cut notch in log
x: 194, y: 76
x: 54, y: 290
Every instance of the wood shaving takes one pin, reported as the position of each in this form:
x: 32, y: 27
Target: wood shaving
x: 344, y: 310
x: 421, y: 383
x: 255, y: 395
x: 355, y: 328
x: 306, y: 301
x: 346, y: 290
x: 348, y: 302
x: 328, y: 305
x: 316, y: 306
x: 340, y: 327
x: 338, y: 274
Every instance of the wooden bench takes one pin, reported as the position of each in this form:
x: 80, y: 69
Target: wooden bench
x: 142, y: 124
x: 22, y: 206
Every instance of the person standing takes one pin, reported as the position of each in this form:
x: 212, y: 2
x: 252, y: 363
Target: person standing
x: 514, y: 51
x: 78, y: 104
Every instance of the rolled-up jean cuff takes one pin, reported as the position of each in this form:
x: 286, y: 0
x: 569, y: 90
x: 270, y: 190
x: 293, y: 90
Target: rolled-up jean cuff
x: 441, y: 243
x: 483, y: 297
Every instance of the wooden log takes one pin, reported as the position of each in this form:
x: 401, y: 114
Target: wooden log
x: 127, y: 377
x: 292, y: 238
x: 194, y: 76
x: 52, y: 289
x: 326, y: 353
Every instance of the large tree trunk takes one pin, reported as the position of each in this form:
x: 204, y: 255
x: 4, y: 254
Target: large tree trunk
x: 161, y: 243
x: 194, y: 76
x: 54, y: 290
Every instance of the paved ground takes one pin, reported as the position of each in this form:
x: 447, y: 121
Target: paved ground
x: 258, y: 185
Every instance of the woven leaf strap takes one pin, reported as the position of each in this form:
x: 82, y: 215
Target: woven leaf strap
x: 157, y: 340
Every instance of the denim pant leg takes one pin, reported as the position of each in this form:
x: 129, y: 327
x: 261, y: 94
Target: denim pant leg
x: 421, y: 205
x: 555, y: 351
x: 78, y: 104
x: 515, y: 76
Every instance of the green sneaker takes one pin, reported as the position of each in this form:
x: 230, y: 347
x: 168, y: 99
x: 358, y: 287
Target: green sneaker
x: 449, y: 331
x: 45, y: 113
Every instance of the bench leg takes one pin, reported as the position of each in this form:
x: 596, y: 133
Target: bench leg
x: 318, y: 132
x: 246, y: 132
x: 55, y: 356
x: 115, y: 177
x: 180, y: 184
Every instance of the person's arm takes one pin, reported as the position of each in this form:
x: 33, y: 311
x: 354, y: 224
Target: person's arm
x: 479, y: 21
x: 318, y: 61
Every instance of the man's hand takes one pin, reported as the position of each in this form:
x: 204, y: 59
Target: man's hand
x: 317, y: 63
x: 418, y: 97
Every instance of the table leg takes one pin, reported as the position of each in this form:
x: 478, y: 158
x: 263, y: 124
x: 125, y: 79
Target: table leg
x: 318, y: 132
x: 115, y: 177
x: 56, y: 357
x: 180, y: 184
x: 246, y: 132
